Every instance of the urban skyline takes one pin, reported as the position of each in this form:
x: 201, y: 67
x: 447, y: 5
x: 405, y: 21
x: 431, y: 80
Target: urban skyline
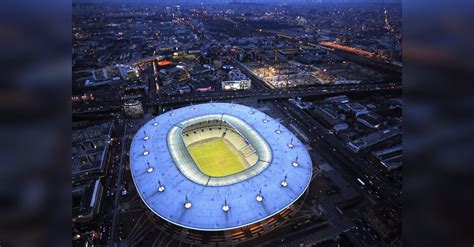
x: 237, y: 124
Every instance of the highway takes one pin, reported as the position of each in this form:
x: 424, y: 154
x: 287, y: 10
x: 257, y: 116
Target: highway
x: 322, y: 91
x: 262, y: 94
x: 118, y: 188
x: 335, y: 150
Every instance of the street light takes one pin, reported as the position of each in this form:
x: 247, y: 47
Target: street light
x: 145, y: 137
x: 265, y: 119
x: 145, y: 152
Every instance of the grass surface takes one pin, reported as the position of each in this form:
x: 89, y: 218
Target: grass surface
x: 216, y: 158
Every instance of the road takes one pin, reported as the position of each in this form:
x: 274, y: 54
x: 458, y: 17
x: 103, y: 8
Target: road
x: 118, y: 189
x: 263, y: 94
x: 333, y: 149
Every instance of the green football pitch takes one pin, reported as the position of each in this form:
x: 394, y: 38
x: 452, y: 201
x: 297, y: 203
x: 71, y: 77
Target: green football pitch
x: 216, y: 158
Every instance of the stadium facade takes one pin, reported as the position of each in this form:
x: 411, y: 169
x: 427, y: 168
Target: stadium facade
x: 276, y: 171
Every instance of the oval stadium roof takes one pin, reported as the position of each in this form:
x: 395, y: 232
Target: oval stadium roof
x: 205, y: 205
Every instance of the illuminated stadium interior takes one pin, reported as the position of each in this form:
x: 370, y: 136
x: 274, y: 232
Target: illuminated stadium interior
x: 217, y: 157
x: 218, y: 149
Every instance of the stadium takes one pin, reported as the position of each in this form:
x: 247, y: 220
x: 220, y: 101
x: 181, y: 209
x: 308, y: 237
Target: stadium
x: 217, y: 171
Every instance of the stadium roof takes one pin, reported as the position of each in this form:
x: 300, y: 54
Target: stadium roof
x: 174, y: 196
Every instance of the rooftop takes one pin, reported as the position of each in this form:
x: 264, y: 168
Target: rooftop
x: 89, y: 149
x: 227, y: 204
